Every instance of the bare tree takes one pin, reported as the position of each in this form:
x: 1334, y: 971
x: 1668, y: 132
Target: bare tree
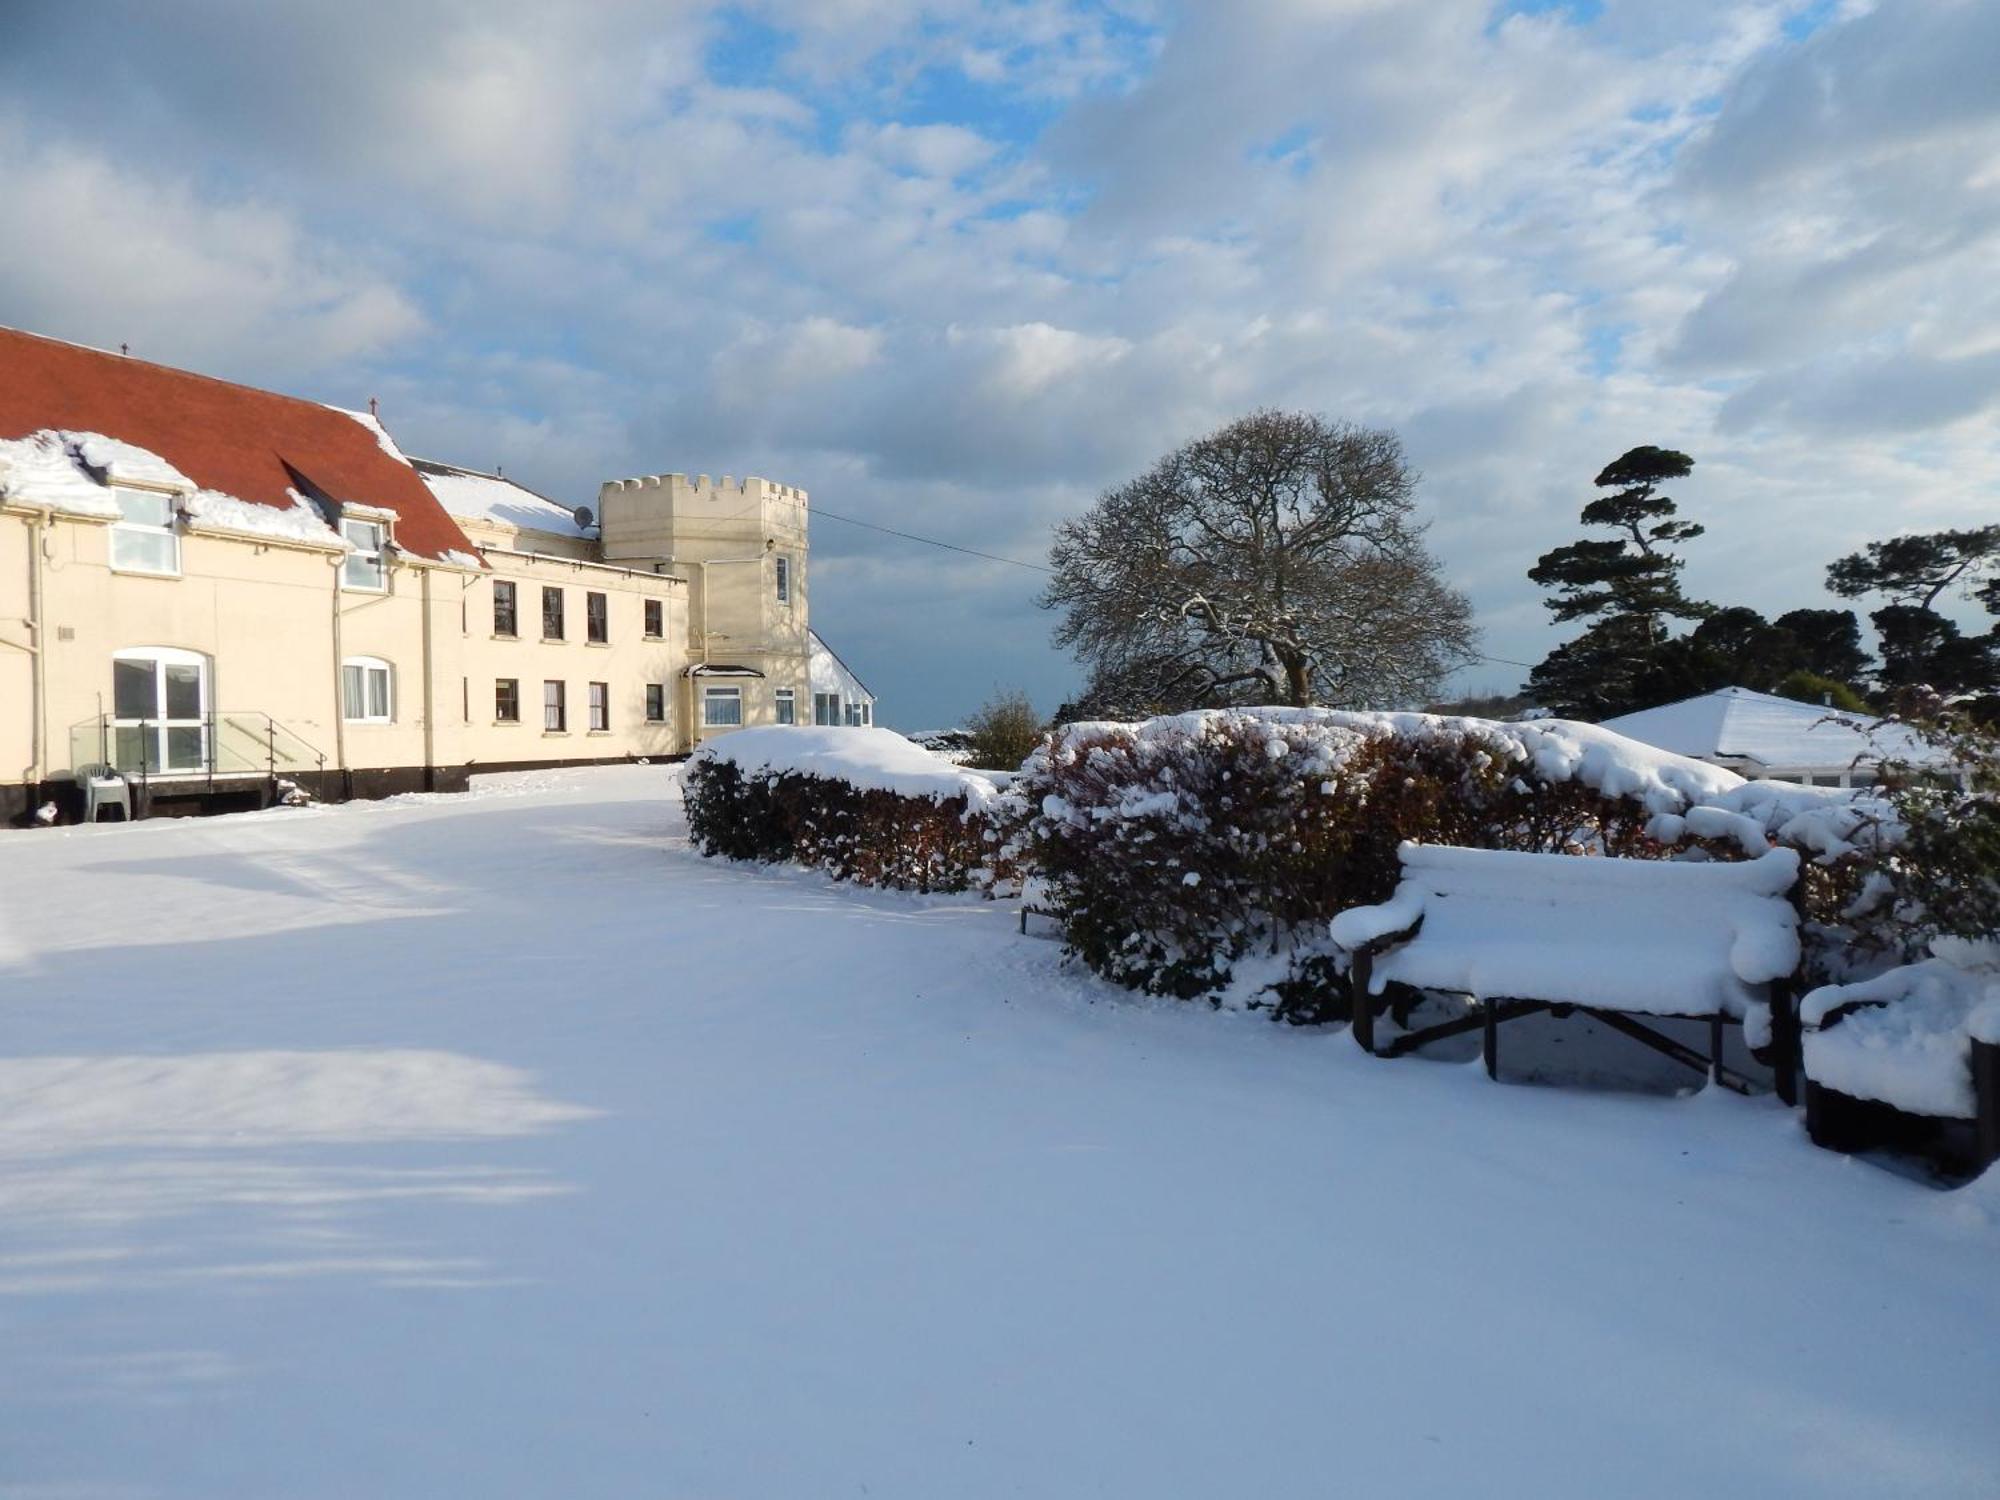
x: 1276, y: 560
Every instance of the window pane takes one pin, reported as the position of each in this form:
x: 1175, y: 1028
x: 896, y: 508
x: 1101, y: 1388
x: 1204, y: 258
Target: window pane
x: 145, y: 551
x: 596, y: 617
x: 552, y: 705
x: 784, y: 578
x: 143, y: 509
x: 184, y: 748
x: 360, y: 572
x: 378, y: 693
x: 131, y: 748
x: 654, y: 615
x: 787, y: 707
x: 134, y: 689
x: 507, y: 699
x: 656, y: 702
x: 552, y: 614
x: 352, y: 694
x: 722, y: 707
x: 503, y: 609
x: 183, y: 692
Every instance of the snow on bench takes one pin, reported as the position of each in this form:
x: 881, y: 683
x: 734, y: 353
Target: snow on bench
x: 1923, y: 1039
x: 1616, y: 937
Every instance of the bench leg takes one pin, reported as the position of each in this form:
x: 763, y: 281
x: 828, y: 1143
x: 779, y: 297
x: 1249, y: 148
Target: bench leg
x: 1986, y: 1095
x: 1360, y: 1004
x: 1489, y: 1039
x: 1785, y: 1042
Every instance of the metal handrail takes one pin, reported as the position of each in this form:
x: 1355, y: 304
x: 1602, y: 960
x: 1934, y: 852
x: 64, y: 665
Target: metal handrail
x: 268, y: 745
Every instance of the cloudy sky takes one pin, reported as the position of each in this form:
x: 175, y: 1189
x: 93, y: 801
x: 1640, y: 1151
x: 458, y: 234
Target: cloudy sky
x: 957, y: 267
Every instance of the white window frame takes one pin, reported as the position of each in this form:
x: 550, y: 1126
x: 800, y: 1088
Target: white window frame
x: 160, y: 725
x: 826, y: 709
x: 597, y: 696
x: 127, y: 530
x: 784, y: 578
x: 785, y: 705
x: 656, y: 691
x: 558, y: 705
x: 711, y: 695
x: 374, y: 672
x: 370, y: 540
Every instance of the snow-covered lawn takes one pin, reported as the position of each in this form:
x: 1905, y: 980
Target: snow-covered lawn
x: 499, y: 1146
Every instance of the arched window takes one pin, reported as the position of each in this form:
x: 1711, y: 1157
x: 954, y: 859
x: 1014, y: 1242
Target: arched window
x: 367, y: 690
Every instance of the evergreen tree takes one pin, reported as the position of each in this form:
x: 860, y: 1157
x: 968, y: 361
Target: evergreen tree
x: 1827, y: 643
x: 1627, y: 588
x: 1920, y: 646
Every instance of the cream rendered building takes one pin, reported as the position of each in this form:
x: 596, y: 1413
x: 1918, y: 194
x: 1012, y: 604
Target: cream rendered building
x: 212, y: 590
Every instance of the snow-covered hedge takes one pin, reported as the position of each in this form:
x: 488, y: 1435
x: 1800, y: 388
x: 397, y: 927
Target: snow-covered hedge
x: 1203, y: 854
x: 862, y: 804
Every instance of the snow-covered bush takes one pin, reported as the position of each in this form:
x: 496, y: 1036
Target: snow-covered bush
x: 1933, y: 869
x: 1204, y: 853
x: 861, y: 804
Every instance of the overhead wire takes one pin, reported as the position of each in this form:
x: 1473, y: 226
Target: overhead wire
x: 931, y: 541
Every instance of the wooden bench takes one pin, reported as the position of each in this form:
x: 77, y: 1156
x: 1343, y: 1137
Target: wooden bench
x: 1613, y: 938
x: 1903, y: 1058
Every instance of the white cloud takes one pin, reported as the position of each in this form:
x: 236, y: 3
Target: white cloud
x: 106, y: 255
x: 1525, y: 242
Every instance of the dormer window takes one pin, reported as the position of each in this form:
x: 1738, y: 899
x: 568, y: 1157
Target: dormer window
x: 364, y: 567
x: 143, y: 539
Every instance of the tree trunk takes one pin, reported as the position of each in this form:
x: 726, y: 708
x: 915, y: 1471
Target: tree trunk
x: 1298, y: 682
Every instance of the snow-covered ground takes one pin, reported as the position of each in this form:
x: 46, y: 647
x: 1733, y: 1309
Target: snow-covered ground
x: 499, y: 1146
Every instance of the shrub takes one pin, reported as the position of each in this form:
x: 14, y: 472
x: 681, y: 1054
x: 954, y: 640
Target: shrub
x: 1003, y: 733
x: 867, y: 835
x: 1938, y: 875
x: 1205, y: 853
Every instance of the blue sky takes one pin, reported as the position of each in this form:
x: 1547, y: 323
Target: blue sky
x: 956, y: 268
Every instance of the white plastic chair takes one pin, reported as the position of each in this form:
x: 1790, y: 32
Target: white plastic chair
x: 102, y: 788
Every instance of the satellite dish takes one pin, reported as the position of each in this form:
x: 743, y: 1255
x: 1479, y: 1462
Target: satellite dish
x: 584, y: 519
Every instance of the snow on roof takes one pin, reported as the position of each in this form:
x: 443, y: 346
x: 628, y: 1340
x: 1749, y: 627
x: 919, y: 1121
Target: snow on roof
x: 829, y: 673
x: 478, y: 496
x: 73, y: 472
x: 239, y: 452
x: 1738, y: 724
x: 873, y: 759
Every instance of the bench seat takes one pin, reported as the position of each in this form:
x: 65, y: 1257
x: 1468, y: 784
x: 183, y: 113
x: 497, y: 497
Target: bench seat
x: 1644, y: 936
x: 1611, y: 936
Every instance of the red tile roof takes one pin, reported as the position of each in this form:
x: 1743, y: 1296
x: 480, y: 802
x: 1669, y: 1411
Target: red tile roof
x: 255, y: 445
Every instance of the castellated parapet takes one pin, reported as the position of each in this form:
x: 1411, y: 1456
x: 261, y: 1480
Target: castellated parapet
x: 664, y: 517
x: 741, y: 546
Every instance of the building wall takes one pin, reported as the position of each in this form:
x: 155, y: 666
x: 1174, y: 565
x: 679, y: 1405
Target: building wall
x: 724, y: 538
x: 479, y: 658
x: 274, y: 626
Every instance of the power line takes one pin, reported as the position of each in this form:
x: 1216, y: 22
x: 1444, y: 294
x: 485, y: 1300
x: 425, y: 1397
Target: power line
x: 931, y: 541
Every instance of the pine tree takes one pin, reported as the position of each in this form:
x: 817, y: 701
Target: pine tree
x: 1921, y: 646
x: 1627, y: 587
